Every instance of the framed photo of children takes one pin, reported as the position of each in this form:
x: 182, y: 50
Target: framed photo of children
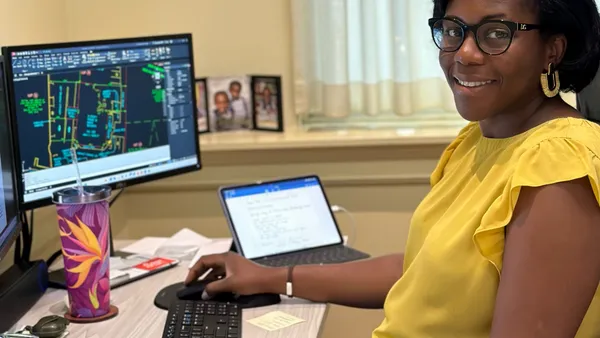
x: 267, y: 113
x: 229, y: 103
x: 201, y: 105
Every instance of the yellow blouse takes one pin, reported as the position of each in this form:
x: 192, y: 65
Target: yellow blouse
x: 455, y: 245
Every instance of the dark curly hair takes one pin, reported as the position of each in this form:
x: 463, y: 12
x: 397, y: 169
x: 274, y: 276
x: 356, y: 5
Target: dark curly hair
x: 579, y: 22
x: 235, y: 83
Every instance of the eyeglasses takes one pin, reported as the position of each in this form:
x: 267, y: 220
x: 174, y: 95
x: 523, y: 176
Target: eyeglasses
x: 493, y: 37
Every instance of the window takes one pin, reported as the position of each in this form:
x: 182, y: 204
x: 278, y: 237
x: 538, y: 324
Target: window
x: 368, y: 64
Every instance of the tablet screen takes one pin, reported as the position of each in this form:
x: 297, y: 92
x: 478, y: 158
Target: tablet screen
x: 280, y: 217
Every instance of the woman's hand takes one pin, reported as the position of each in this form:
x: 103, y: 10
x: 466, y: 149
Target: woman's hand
x: 234, y: 273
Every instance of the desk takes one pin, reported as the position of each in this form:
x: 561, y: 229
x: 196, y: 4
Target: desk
x: 138, y: 317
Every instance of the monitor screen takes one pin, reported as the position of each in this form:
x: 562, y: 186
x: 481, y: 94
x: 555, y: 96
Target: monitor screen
x: 279, y: 217
x: 126, y: 106
x: 9, y: 215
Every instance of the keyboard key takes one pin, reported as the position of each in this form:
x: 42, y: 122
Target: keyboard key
x: 220, y: 331
x: 203, y: 319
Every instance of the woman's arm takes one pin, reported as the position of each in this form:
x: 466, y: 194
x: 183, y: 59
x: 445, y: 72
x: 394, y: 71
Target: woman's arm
x: 551, y: 266
x: 362, y: 284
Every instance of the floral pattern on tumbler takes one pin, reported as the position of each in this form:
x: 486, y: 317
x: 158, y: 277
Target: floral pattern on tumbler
x: 84, y: 232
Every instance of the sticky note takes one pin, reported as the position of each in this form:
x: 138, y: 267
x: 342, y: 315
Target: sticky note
x: 275, y: 320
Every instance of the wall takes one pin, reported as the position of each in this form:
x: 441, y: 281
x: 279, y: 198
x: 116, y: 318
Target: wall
x: 230, y: 36
x: 30, y: 21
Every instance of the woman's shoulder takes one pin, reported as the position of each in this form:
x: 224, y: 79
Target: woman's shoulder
x: 558, y: 151
x: 565, y: 132
x: 550, y: 143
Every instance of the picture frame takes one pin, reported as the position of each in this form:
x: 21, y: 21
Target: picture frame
x: 229, y: 101
x: 202, y: 105
x: 267, y: 103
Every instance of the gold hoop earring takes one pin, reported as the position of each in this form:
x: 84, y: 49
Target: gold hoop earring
x: 555, y: 80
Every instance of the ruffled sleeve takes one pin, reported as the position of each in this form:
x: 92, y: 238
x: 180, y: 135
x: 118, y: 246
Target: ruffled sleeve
x: 438, y: 172
x: 550, y: 161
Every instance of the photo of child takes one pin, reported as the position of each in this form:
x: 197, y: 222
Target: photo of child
x: 201, y: 106
x: 267, y: 103
x: 229, y: 103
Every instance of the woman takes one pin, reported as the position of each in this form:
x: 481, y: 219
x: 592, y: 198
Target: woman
x: 507, y: 242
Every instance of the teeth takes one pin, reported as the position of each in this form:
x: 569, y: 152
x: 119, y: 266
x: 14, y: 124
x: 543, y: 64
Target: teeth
x: 473, y: 84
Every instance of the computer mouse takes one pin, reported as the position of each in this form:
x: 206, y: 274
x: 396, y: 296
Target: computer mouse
x: 50, y: 327
x: 194, y: 291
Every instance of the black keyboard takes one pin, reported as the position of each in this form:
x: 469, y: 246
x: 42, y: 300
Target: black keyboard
x: 203, y: 319
x: 336, y: 254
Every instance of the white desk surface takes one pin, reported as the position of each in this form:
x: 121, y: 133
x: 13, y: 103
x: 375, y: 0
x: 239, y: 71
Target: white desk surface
x: 138, y: 317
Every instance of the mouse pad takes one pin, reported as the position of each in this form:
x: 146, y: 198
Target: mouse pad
x: 168, y: 295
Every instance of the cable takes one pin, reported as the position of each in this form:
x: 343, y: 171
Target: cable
x: 18, y: 254
x: 53, y: 257
x: 30, y: 235
x: 26, y: 255
x: 337, y: 208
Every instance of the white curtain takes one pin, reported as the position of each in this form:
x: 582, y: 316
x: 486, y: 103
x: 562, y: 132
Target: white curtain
x: 367, y: 61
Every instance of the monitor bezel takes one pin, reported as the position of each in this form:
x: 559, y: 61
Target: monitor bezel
x: 9, y: 88
x: 12, y: 235
x: 232, y: 227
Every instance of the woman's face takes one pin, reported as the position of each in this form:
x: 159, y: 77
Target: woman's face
x: 499, y: 84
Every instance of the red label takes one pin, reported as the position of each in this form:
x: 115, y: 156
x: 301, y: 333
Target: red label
x: 153, y: 264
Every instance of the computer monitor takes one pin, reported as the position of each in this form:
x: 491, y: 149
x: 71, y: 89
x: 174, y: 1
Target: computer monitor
x: 127, y: 106
x: 10, y: 225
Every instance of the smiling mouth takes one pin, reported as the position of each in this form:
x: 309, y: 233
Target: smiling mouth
x: 476, y: 84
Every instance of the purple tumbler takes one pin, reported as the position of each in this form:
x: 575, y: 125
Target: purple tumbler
x: 83, y: 223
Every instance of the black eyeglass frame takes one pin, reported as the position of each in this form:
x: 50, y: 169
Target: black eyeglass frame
x: 512, y: 26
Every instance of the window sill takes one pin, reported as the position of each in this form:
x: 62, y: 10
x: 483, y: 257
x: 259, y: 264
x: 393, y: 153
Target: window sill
x: 255, y: 140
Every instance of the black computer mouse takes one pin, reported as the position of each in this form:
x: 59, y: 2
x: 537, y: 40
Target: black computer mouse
x: 194, y: 291
x: 50, y: 327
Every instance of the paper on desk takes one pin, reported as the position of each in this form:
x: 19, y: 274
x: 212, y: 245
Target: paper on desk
x: 275, y: 320
x: 117, y: 263
x: 116, y: 274
x: 145, y: 246
x: 183, y: 245
x: 218, y: 245
x: 187, y: 237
